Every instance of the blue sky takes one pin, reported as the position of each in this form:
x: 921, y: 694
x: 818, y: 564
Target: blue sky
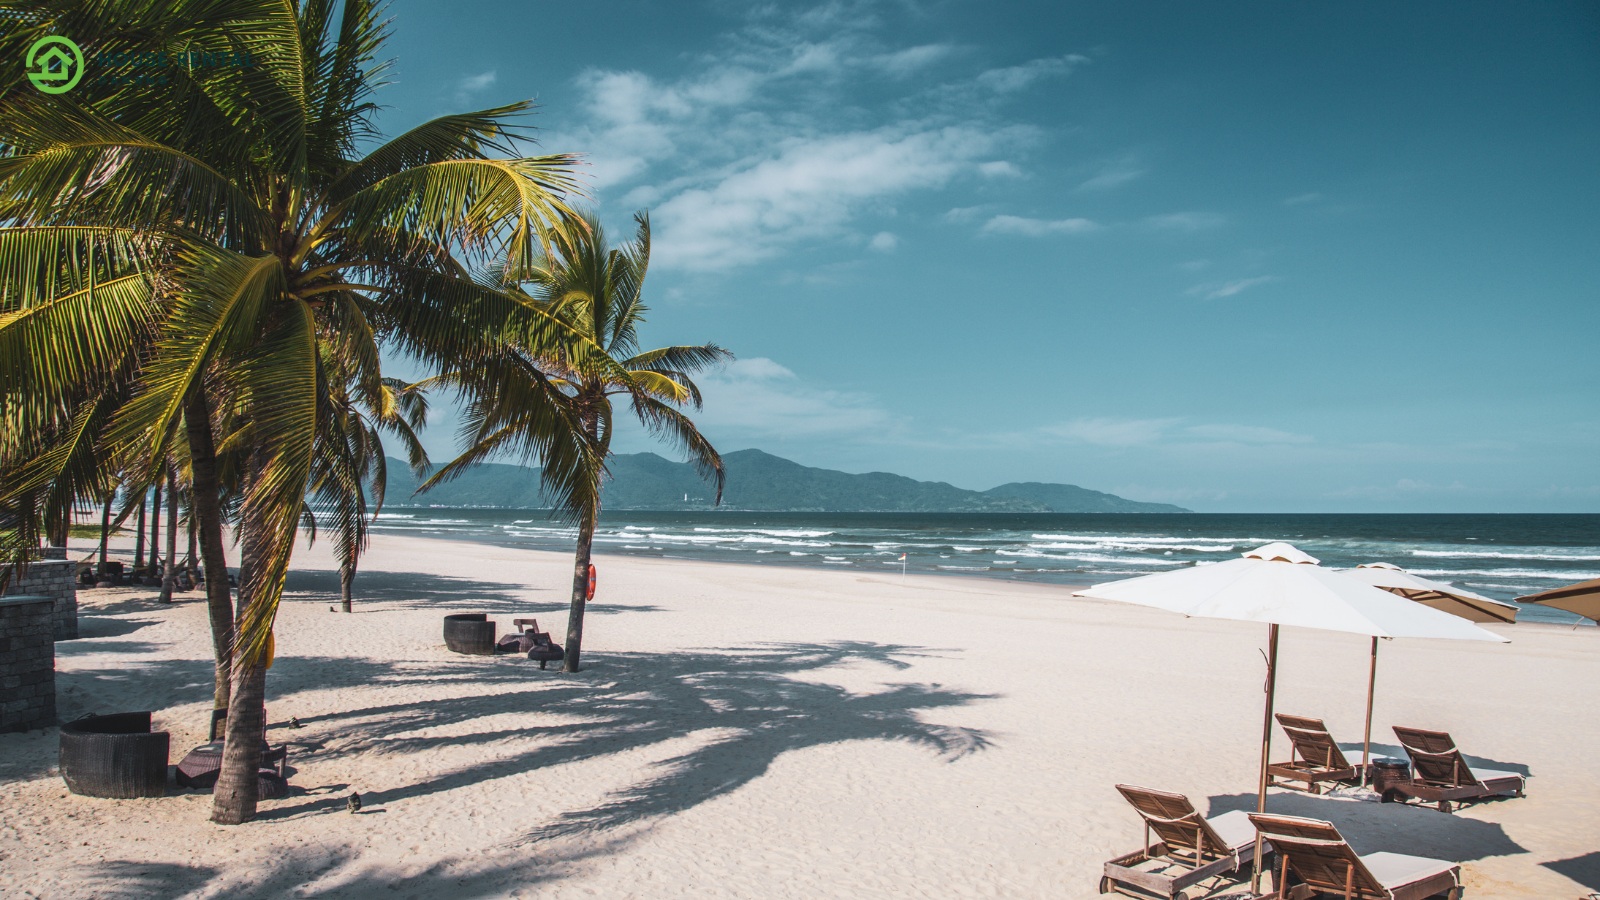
x: 1235, y: 256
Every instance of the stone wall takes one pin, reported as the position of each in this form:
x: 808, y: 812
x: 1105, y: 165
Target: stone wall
x: 27, y: 663
x: 56, y: 579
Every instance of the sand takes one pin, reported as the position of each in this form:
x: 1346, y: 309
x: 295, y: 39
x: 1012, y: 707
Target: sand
x: 746, y: 731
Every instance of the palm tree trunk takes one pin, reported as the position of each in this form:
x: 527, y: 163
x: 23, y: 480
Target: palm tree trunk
x: 170, y: 573
x: 237, y: 787
x: 192, y: 561
x: 155, y: 530
x: 138, y: 545
x: 347, y: 578
x: 105, y: 534
x: 207, y: 510
x: 237, y: 790
x: 580, y: 588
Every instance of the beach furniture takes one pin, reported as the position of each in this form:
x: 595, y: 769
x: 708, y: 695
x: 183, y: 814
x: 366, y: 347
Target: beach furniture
x: 199, y: 767
x: 1278, y: 584
x: 115, y: 755
x: 469, y: 633
x: 1189, y: 848
x: 1316, y: 856
x: 1439, y: 773
x: 530, y: 640
x: 1314, y: 759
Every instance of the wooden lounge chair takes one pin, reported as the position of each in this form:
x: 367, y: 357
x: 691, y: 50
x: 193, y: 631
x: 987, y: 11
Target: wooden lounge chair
x: 1190, y: 849
x: 1315, y: 855
x: 1314, y: 759
x: 1439, y: 774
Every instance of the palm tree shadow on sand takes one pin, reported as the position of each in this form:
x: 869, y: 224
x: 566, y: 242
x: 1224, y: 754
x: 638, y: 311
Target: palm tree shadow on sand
x: 747, y: 703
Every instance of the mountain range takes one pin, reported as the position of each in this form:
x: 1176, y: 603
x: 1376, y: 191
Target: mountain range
x: 758, y: 481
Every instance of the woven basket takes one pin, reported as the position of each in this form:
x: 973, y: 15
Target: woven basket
x: 469, y: 633
x: 114, y: 756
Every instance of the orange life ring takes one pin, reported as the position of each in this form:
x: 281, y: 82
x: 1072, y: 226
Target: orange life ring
x: 589, y: 594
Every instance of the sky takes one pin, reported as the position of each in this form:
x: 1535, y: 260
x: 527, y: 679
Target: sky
x: 1241, y: 257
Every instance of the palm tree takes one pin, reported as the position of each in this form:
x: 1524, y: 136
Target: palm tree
x: 598, y: 291
x: 351, y: 463
x: 282, y: 246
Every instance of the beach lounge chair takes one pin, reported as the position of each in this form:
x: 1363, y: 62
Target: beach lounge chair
x: 1439, y: 774
x: 200, y: 767
x: 1314, y: 854
x: 1190, y: 849
x: 1316, y: 758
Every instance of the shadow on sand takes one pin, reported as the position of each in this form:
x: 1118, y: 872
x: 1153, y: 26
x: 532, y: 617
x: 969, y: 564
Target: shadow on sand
x: 1584, y: 869
x: 1395, y: 827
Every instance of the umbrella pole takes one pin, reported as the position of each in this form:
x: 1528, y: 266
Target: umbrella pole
x: 1266, y: 747
x: 1366, y: 738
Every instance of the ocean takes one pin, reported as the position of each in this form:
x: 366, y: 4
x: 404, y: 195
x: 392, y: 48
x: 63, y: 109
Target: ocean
x: 1499, y: 556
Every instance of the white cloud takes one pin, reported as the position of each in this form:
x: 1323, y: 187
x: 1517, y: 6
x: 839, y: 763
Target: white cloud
x: 1185, y: 221
x: 809, y: 188
x: 1112, y: 177
x: 1244, y: 434
x: 473, y: 83
x: 759, y: 398
x: 965, y: 213
x: 1300, y: 199
x: 1015, y: 78
x: 913, y: 59
x: 1037, y: 227
x: 884, y: 242
x: 1216, y: 291
x: 1117, y: 432
x: 999, y: 169
x: 772, y: 143
x: 1112, y: 432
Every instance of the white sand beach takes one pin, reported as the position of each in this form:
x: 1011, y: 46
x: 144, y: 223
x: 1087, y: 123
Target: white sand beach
x: 752, y: 732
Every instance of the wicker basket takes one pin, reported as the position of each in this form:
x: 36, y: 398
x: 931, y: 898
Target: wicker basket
x: 114, y: 756
x: 469, y: 633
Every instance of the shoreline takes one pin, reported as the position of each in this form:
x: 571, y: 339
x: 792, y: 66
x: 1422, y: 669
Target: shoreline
x: 746, y: 730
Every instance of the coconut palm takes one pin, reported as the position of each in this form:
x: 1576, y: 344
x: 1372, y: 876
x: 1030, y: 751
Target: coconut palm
x: 598, y: 291
x: 351, y: 465
x: 282, y: 246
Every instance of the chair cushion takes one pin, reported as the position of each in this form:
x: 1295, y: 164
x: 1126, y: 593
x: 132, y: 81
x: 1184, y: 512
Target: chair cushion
x: 1395, y: 870
x: 1493, y: 774
x: 1234, y: 828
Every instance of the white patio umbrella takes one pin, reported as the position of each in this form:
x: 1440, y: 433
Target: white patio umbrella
x: 1280, y: 585
x: 1445, y: 598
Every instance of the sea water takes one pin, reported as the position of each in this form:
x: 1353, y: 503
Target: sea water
x: 1499, y: 556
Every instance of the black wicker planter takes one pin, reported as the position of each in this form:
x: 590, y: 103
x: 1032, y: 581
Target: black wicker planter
x: 469, y: 633
x: 114, y: 756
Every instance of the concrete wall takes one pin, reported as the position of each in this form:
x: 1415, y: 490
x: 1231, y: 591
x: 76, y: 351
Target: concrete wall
x: 56, y: 579
x: 27, y: 663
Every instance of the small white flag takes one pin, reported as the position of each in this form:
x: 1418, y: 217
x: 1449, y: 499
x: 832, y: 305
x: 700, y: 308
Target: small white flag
x: 902, y: 557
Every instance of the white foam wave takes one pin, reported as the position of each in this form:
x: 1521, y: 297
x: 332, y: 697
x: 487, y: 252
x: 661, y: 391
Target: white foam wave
x: 1490, y: 554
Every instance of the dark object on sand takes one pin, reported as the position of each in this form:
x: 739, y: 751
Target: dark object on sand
x: 469, y: 633
x: 199, y: 767
x: 530, y: 640
x: 354, y: 803
x: 115, y: 755
x: 295, y: 722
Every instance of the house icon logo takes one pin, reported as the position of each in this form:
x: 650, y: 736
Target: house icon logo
x: 55, y: 64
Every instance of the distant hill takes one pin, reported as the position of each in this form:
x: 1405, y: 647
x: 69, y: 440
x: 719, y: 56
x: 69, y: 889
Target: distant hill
x: 763, y: 482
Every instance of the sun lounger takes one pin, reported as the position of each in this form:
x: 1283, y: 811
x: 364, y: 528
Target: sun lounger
x: 1314, y: 854
x: 1190, y: 849
x: 1439, y: 774
x: 1314, y: 759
